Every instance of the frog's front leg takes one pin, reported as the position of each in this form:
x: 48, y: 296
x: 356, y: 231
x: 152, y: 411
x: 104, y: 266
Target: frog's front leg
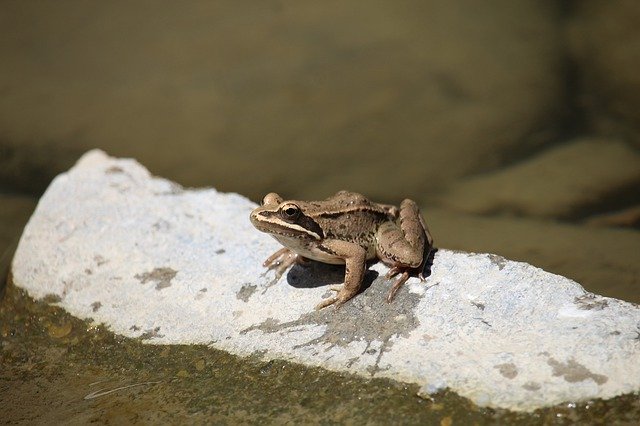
x: 404, y: 245
x: 281, y: 260
x: 355, y: 262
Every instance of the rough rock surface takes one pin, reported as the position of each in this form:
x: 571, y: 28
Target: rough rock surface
x: 153, y: 261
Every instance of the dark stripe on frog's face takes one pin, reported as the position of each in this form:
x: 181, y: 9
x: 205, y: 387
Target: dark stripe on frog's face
x: 307, y: 223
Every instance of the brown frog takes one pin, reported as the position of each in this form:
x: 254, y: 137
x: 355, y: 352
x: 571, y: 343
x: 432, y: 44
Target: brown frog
x: 346, y: 229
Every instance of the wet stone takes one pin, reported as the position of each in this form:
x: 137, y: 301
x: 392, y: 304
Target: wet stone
x: 502, y: 333
x: 508, y: 370
x: 160, y: 276
x: 245, y: 292
x: 575, y: 372
x: 499, y: 261
x: 590, y: 301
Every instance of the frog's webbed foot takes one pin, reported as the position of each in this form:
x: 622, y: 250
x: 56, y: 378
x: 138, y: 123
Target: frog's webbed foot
x: 337, y: 300
x: 404, y: 276
x: 326, y: 302
x: 281, y: 260
x: 399, y: 282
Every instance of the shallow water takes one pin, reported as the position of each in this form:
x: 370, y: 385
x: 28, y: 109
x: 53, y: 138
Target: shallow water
x: 394, y: 100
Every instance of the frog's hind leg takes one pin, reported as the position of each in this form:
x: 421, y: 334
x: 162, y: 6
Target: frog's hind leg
x: 428, y: 248
x: 401, y: 244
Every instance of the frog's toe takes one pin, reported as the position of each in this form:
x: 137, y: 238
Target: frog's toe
x: 280, y: 269
x: 391, y: 294
x: 396, y: 286
x: 327, y: 302
x: 338, y: 300
x: 280, y: 261
x: 393, y: 271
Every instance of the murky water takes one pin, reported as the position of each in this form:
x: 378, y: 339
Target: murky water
x: 468, y: 109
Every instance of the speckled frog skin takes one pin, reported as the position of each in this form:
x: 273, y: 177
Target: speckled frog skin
x: 347, y: 229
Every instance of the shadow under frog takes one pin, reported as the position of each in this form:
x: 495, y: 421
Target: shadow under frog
x: 377, y: 320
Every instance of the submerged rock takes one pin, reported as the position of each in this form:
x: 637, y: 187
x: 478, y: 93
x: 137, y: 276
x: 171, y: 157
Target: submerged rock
x: 559, y: 182
x: 153, y: 261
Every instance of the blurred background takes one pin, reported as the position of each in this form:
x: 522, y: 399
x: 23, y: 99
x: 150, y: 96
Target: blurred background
x: 514, y: 124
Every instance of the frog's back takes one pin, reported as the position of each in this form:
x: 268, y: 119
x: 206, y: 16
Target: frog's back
x: 349, y: 216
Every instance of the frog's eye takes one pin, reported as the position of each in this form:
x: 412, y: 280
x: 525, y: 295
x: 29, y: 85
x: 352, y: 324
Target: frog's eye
x: 290, y: 212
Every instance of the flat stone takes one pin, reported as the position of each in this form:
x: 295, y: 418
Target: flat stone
x: 153, y: 261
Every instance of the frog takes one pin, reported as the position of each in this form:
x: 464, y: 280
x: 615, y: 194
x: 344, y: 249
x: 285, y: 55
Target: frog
x: 349, y: 229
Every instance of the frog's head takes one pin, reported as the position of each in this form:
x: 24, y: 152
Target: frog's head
x: 285, y: 218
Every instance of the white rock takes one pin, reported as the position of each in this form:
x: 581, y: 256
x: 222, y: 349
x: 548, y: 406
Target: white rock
x: 154, y: 261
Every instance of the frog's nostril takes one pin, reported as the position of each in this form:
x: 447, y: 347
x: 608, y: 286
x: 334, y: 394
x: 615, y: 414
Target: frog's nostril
x: 253, y: 217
